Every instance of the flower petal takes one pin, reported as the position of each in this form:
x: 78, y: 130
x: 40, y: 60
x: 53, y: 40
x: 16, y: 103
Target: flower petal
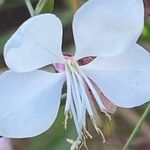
x: 29, y: 102
x: 35, y: 44
x: 5, y: 144
x: 107, y: 27
x: 134, y: 59
x: 124, y: 79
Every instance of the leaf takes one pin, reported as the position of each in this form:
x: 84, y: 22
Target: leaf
x: 44, y: 6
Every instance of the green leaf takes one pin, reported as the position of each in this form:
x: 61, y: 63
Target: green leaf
x: 44, y: 6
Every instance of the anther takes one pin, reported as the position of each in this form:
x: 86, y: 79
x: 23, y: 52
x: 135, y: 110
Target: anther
x: 66, y: 120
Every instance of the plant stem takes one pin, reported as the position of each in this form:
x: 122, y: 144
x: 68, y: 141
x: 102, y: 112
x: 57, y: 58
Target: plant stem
x: 147, y: 110
x: 30, y: 7
x: 74, y: 5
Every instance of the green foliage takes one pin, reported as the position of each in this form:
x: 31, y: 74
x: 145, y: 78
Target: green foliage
x: 44, y: 6
x: 55, y: 138
x: 146, y: 33
x: 3, y: 39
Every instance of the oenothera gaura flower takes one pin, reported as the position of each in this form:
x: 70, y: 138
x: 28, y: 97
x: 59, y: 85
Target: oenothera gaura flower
x: 116, y: 72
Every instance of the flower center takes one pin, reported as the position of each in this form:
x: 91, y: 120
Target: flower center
x: 61, y: 67
x: 83, y: 97
x: 80, y: 102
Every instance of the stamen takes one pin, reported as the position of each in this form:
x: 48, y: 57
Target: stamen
x: 94, y: 92
x: 76, y: 95
x: 107, y: 115
x: 87, y: 133
x: 83, y: 92
x: 78, y: 128
x: 75, y: 144
x: 78, y: 143
x: 98, y: 130
x: 80, y: 102
x: 66, y: 120
x: 84, y: 143
x: 68, y: 99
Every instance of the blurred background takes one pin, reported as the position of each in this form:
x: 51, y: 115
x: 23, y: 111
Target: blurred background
x: 12, y: 14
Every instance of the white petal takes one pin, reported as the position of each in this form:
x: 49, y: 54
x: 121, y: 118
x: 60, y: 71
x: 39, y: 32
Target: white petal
x: 35, y: 44
x: 107, y: 27
x: 124, y: 79
x: 29, y: 102
x: 124, y: 89
x: 134, y: 59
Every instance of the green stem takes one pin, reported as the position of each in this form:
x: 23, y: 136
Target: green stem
x: 137, y: 127
x: 30, y: 7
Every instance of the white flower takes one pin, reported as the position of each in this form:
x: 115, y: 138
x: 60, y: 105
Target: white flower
x: 104, y: 30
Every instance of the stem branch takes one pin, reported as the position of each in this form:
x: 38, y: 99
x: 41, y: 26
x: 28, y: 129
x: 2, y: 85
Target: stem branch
x: 30, y: 7
x: 147, y: 110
